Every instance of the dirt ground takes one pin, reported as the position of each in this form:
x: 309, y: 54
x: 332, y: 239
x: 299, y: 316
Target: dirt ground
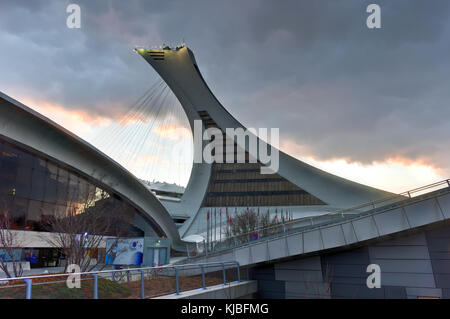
x: 167, y: 285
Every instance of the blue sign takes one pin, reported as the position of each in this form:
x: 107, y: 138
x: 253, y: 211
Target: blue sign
x: 126, y: 251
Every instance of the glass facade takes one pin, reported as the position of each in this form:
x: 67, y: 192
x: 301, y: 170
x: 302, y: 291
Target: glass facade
x: 242, y: 184
x: 34, y: 189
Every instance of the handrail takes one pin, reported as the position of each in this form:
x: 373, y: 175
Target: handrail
x: 403, y: 195
x: 348, y: 211
x: 119, y: 270
x: 29, y: 279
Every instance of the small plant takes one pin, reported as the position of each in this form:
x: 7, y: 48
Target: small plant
x: 9, y: 240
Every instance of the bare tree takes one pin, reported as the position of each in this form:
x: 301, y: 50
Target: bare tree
x: 85, y: 227
x: 9, y: 240
x: 240, y: 226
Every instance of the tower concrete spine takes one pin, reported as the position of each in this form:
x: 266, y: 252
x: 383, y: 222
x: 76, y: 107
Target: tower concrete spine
x: 179, y: 69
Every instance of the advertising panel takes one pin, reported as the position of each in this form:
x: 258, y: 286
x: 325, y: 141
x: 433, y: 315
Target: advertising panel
x: 126, y: 251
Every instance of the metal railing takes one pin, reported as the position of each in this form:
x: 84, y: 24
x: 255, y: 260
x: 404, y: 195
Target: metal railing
x: 300, y: 224
x: 134, y: 275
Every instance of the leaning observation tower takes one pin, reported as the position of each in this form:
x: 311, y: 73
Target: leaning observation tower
x: 296, y: 186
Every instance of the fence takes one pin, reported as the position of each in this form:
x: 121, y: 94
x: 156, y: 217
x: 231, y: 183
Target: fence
x: 281, y: 228
x: 122, y: 283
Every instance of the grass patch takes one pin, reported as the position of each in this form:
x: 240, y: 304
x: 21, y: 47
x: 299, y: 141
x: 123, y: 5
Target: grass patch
x: 107, y: 289
x: 47, y: 288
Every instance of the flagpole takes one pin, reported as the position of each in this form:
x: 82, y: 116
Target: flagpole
x: 248, y: 219
x: 207, y: 229
x: 257, y: 219
x: 215, y: 227
x: 210, y: 230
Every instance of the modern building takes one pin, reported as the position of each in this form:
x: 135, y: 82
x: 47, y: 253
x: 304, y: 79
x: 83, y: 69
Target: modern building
x: 165, y: 190
x: 296, y: 187
x: 403, y: 240
x: 324, y: 252
x: 47, y: 171
x: 169, y: 193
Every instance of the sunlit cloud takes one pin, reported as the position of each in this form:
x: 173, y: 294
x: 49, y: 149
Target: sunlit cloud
x: 173, y: 131
x: 394, y: 174
x: 79, y: 122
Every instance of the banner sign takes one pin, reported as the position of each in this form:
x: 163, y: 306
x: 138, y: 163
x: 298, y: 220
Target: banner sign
x: 126, y: 251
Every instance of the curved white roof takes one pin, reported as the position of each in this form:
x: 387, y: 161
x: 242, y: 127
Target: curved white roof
x: 33, y: 130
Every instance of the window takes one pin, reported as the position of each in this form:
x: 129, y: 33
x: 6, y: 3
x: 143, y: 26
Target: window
x: 38, y: 179
x: 35, y: 189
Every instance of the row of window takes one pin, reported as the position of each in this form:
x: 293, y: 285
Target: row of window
x: 244, y: 170
x: 257, y: 193
x: 249, y: 180
x: 261, y: 200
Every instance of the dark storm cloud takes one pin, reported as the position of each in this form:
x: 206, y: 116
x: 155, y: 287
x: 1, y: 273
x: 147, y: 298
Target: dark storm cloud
x: 312, y: 68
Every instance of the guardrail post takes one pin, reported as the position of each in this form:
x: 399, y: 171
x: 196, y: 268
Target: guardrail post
x: 224, y: 274
x: 142, y: 284
x: 95, y: 285
x: 238, y: 272
x: 177, y: 280
x: 203, y: 276
x: 29, y: 283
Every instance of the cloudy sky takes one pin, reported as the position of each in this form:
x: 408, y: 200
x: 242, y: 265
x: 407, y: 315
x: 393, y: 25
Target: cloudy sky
x: 369, y: 105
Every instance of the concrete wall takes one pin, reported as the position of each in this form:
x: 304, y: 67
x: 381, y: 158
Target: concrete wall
x: 413, y: 266
x: 235, y: 290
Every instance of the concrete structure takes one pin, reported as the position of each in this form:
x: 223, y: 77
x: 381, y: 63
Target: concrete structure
x: 165, y: 190
x: 414, y: 265
x: 168, y: 193
x: 297, y: 185
x: 234, y: 290
x: 407, y: 237
x: 342, y: 232
x: 409, y: 240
